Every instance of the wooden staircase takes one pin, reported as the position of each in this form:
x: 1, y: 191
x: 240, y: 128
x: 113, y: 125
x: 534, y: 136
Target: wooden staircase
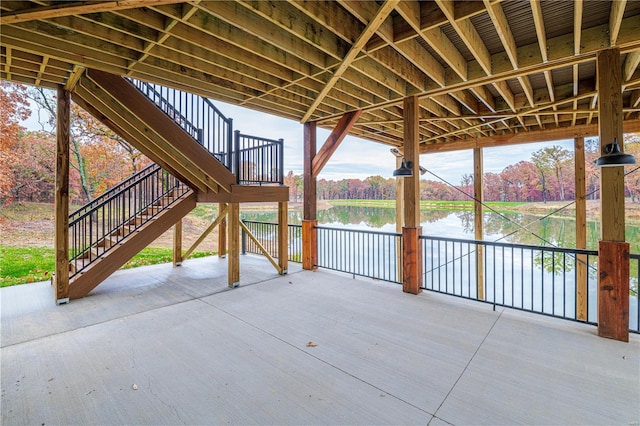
x: 115, y: 249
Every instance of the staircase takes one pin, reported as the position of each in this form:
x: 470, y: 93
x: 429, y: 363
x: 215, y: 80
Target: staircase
x: 197, y: 157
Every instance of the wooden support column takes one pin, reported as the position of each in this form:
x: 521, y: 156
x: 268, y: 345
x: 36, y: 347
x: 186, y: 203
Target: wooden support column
x: 613, y: 252
x: 478, y: 195
x: 581, y: 229
x: 233, y: 212
x: 309, y: 222
x: 283, y: 236
x: 411, y: 245
x: 222, y: 232
x: 61, y: 242
x: 399, y: 217
x: 177, y: 243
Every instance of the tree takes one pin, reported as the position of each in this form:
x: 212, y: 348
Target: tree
x: 552, y: 161
x: 14, y: 107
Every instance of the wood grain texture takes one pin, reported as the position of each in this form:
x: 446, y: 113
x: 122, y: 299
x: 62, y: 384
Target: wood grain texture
x: 233, y: 259
x: 61, y: 239
x: 411, y: 109
x: 309, y: 245
x: 581, y: 229
x: 333, y: 141
x: 478, y: 217
x: 411, y: 260
x: 309, y: 153
x: 283, y: 236
x: 613, y: 290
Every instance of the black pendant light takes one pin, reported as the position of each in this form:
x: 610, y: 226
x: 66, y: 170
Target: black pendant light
x: 405, y: 169
x: 613, y: 156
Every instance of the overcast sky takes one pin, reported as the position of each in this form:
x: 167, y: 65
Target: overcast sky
x: 358, y: 158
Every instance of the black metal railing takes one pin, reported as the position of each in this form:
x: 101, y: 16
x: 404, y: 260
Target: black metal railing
x: 543, y: 280
x: 258, y: 160
x: 357, y: 252
x: 196, y: 115
x: 96, y: 228
x: 267, y: 234
x: 537, y: 279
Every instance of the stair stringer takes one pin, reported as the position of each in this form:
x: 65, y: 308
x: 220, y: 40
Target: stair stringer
x: 120, y: 106
x: 81, y: 284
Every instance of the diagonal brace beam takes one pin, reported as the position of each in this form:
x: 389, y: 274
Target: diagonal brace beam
x: 262, y: 249
x: 206, y: 232
x: 333, y: 141
x: 357, y: 46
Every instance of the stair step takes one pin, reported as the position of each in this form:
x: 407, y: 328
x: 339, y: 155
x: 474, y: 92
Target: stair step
x: 123, y: 230
x: 106, y: 242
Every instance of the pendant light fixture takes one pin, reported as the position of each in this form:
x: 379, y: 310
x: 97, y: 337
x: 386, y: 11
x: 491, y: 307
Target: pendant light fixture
x: 613, y: 156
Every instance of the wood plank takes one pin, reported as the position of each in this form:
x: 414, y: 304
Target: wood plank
x: 384, y: 11
x: 177, y: 243
x: 333, y: 141
x: 61, y: 239
x: 581, y: 229
x: 222, y: 232
x: 411, y: 260
x: 309, y: 245
x: 609, y: 79
x: 411, y: 153
x: 258, y: 244
x: 75, y: 8
x: 247, y: 194
x: 156, y: 119
x: 309, y: 152
x: 233, y: 213
x: 615, y: 20
x: 283, y: 237
x: 613, y: 290
x: 218, y: 220
x: 478, y: 217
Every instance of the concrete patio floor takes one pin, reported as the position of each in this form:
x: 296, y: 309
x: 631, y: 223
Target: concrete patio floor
x: 162, y: 345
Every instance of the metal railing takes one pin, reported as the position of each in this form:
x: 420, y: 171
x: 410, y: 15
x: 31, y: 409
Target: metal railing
x: 258, y: 160
x: 196, y: 115
x: 267, y: 234
x: 97, y: 227
x: 357, y: 252
x: 634, y: 305
x: 543, y: 280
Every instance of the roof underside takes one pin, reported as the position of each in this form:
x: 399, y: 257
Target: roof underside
x: 482, y: 70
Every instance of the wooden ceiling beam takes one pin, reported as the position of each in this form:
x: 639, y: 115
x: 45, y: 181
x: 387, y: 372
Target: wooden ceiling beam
x: 75, y: 8
x: 615, y: 20
x: 355, y: 49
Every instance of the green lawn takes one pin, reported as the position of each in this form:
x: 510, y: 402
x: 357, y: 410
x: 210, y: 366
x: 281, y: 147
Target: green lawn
x: 20, y: 265
x: 440, y: 205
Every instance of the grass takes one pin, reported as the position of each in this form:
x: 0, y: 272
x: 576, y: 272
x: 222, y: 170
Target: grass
x: 22, y: 265
x: 430, y: 204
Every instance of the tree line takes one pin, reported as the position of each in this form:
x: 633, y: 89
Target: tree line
x: 100, y: 159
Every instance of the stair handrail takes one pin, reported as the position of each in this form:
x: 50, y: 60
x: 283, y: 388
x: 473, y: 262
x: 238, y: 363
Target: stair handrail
x: 112, y: 217
x: 115, y: 189
x: 258, y: 160
x: 197, y: 115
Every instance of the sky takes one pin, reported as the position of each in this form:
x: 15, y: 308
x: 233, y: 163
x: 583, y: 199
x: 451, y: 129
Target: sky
x: 357, y: 158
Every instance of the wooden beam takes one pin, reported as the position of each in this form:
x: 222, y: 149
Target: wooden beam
x: 355, y: 49
x: 177, y: 243
x: 221, y: 217
x: 615, y: 20
x: 247, y: 194
x: 264, y: 251
x: 399, y: 216
x: 61, y: 240
x: 233, y: 278
x: 309, y: 245
x: 411, y: 142
x: 411, y: 260
x: 309, y: 152
x: 75, y: 8
x: 332, y: 143
x: 581, y: 229
x: 222, y: 232
x: 613, y: 252
x: 478, y: 194
x: 609, y: 80
x: 283, y: 237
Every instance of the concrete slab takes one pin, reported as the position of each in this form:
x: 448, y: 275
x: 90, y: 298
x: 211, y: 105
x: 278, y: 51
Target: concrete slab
x: 304, y: 348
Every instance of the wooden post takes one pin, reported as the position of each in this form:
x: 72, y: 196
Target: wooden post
x: 411, y: 245
x: 222, y: 232
x: 309, y: 222
x: 399, y: 217
x: 177, y: 243
x: 613, y: 263
x: 234, y: 244
x: 478, y: 194
x: 581, y: 229
x: 283, y: 236
x: 61, y: 241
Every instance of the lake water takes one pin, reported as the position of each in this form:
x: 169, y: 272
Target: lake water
x: 505, y: 227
